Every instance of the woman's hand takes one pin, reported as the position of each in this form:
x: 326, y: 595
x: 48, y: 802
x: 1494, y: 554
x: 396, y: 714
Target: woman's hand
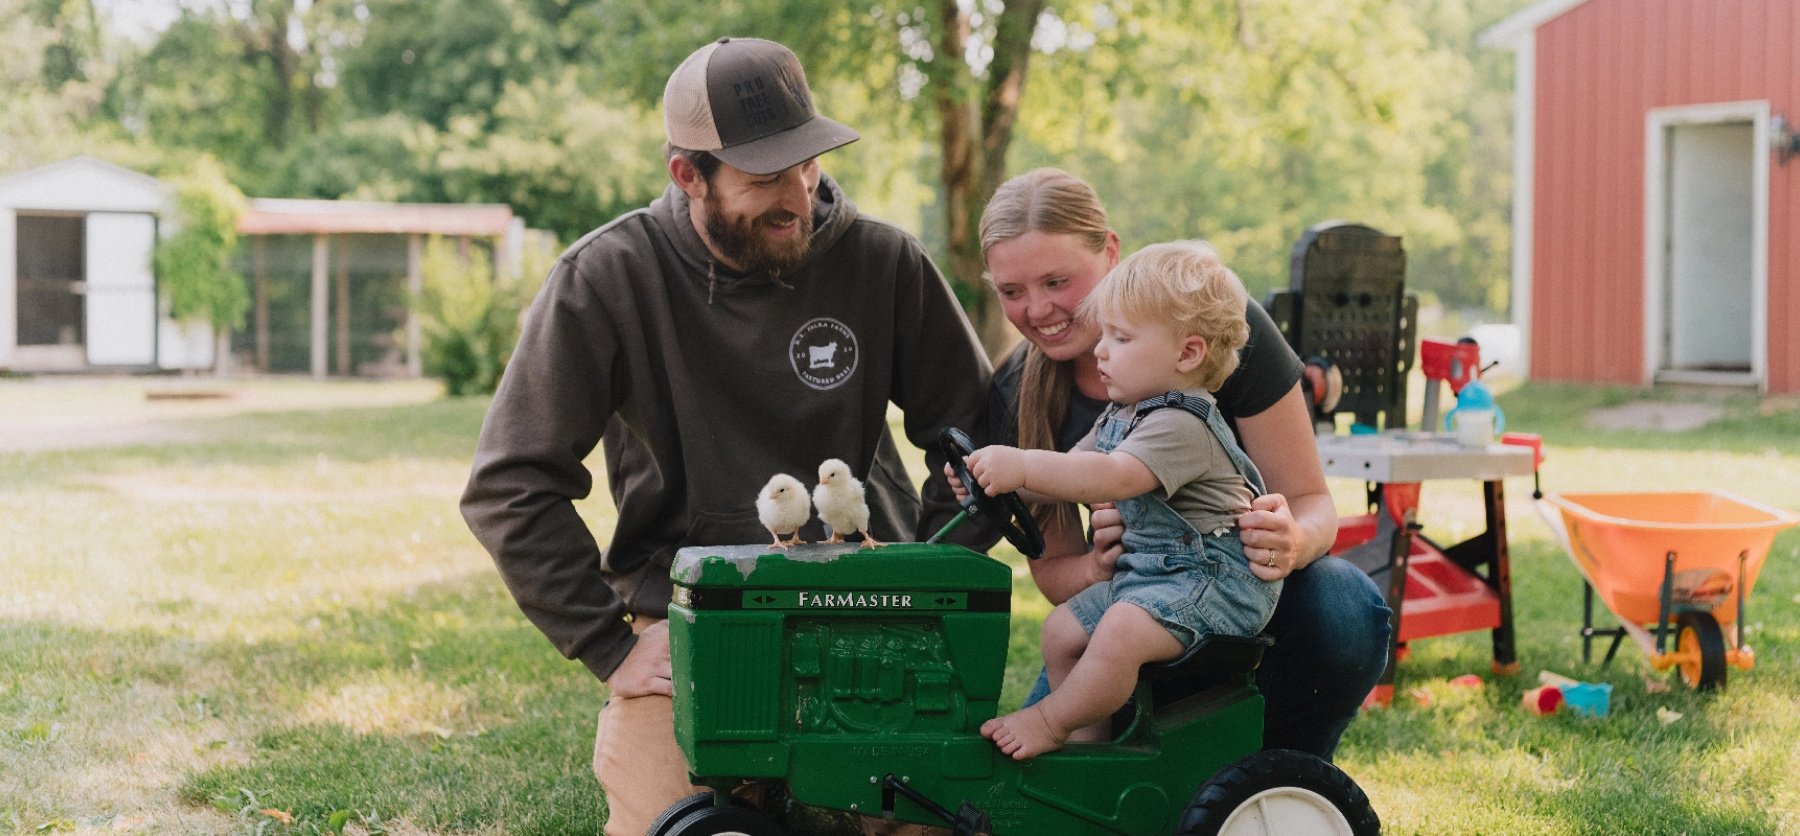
x: 956, y: 485
x: 1109, y: 536
x: 1273, y: 539
x: 1070, y: 564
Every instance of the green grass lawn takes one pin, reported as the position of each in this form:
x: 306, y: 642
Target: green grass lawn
x: 281, y: 610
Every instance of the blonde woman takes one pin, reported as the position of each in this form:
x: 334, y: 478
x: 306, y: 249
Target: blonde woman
x: 1046, y: 243
x: 1171, y: 320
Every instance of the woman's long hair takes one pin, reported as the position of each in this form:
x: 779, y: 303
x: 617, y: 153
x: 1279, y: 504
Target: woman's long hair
x: 1051, y: 201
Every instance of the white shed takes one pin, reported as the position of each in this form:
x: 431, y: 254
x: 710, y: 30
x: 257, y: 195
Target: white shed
x: 77, y: 290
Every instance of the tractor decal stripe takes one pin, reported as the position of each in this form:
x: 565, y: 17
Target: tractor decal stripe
x: 710, y: 598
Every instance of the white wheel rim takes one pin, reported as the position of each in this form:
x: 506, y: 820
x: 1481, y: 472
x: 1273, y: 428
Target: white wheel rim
x: 1285, y: 810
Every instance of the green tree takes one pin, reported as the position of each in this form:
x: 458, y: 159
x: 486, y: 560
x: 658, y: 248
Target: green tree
x: 440, y: 61
x: 1247, y: 123
x: 192, y: 93
x: 53, y: 81
x: 242, y: 81
x: 1240, y: 121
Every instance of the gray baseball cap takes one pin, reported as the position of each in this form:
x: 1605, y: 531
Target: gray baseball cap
x: 746, y: 102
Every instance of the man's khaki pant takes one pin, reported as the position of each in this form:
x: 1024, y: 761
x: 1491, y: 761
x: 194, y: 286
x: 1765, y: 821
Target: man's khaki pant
x: 642, y: 770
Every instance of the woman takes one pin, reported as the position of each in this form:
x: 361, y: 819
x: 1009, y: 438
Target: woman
x: 1045, y: 241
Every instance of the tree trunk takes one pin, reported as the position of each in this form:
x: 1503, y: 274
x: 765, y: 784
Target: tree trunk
x: 976, y: 119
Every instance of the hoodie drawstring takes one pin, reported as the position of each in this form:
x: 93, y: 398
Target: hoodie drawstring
x: 712, y: 280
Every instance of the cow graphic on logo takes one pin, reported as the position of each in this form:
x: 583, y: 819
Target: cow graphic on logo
x: 823, y: 353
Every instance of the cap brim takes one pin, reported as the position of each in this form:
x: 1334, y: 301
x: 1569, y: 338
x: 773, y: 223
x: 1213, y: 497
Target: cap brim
x: 789, y: 148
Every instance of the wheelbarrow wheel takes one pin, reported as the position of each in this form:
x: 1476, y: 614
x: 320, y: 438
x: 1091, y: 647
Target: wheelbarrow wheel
x: 1280, y: 791
x: 1702, y: 644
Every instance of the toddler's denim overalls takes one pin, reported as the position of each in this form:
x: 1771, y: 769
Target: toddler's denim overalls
x: 1195, y: 583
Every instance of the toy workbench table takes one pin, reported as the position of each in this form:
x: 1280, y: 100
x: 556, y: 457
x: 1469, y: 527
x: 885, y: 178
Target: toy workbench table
x: 1436, y: 590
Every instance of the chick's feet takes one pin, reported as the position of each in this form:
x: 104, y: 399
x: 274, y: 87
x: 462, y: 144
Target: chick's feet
x: 870, y: 542
x: 779, y: 543
x: 1024, y: 734
x: 792, y: 541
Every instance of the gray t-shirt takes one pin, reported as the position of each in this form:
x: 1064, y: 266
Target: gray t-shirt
x: 1199, y: 480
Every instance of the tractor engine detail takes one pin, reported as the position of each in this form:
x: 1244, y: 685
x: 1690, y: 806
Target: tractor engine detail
x: 858, y: 676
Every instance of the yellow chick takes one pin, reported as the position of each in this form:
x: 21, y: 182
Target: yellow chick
x: 782, y: 506
x: 840, y: 502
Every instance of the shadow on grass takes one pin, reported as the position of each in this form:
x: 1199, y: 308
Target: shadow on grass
x: 455, y: 712
x: 1560, y: 412
x: 442, y: 429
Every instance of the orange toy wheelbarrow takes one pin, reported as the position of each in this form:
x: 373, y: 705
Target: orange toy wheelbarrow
x: 1682, y: 563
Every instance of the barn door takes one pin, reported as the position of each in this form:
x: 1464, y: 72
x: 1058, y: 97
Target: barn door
x: 1710, y: 266
x: 121, y: 290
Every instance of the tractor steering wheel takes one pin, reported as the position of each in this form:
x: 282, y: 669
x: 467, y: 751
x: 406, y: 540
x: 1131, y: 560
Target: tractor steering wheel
x: 1007, y: 510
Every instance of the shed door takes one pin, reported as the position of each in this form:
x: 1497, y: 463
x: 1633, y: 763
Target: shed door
x: 49, y: 277
x: 1710, y: 248
x: 121, y: 291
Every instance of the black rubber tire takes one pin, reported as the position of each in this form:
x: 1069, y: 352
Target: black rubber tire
x: 724, y: 821
x: 1701, y: 631
x: 1273, y: 781
x: 678, y: 811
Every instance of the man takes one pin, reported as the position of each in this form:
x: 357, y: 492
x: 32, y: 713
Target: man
x: 747, y: 323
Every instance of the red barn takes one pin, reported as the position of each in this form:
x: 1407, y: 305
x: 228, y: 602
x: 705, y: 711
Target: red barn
x: 1656, y: 194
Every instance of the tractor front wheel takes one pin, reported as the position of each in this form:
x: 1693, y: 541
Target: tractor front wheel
x: 665, y: 823
x: 1280, y: 791
x: 724, y: 821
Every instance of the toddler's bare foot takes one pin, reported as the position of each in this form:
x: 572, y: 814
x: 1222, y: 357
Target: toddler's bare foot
x: 1024, y: 734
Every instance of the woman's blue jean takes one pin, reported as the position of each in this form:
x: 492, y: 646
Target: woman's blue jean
x: 1331, y: 644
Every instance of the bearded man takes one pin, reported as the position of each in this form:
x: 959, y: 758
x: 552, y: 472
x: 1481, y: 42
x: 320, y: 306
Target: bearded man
x: 747, y: 322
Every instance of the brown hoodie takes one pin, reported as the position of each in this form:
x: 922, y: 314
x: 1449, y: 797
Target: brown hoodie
x: 705, y: 382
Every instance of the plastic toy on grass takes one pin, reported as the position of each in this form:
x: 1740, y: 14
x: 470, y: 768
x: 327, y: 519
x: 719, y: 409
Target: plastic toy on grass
x: 1682, y: 563
x: 857, y: 681
x: 1557, y: 692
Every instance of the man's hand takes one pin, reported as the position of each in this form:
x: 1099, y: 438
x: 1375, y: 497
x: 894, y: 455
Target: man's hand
x: 646, y: 669
x: 999, y: 469
x: 1272, y: 538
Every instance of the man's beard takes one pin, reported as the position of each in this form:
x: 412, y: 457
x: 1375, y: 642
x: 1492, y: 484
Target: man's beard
x: 742, y: 242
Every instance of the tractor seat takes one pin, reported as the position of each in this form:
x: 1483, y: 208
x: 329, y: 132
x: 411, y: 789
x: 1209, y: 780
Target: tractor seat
x: 1211, y: 662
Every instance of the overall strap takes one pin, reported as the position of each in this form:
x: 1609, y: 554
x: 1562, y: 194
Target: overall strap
x: 1202, y: 408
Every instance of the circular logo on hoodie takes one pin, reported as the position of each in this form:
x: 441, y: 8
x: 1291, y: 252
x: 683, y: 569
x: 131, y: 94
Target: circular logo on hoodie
x: 824, y: 353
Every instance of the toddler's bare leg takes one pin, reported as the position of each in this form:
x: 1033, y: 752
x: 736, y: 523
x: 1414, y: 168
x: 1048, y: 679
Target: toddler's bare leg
x: 1098, y: 684
x: 1064, y: 641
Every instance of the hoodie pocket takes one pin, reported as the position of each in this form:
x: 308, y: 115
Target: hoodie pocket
x: 726, y: 528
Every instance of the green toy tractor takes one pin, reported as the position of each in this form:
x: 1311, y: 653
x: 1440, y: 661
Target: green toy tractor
x: 856, y: 680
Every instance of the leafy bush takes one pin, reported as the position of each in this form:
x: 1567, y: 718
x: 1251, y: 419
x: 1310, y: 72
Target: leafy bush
x: 193, y: 264
x: 470, y: 319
